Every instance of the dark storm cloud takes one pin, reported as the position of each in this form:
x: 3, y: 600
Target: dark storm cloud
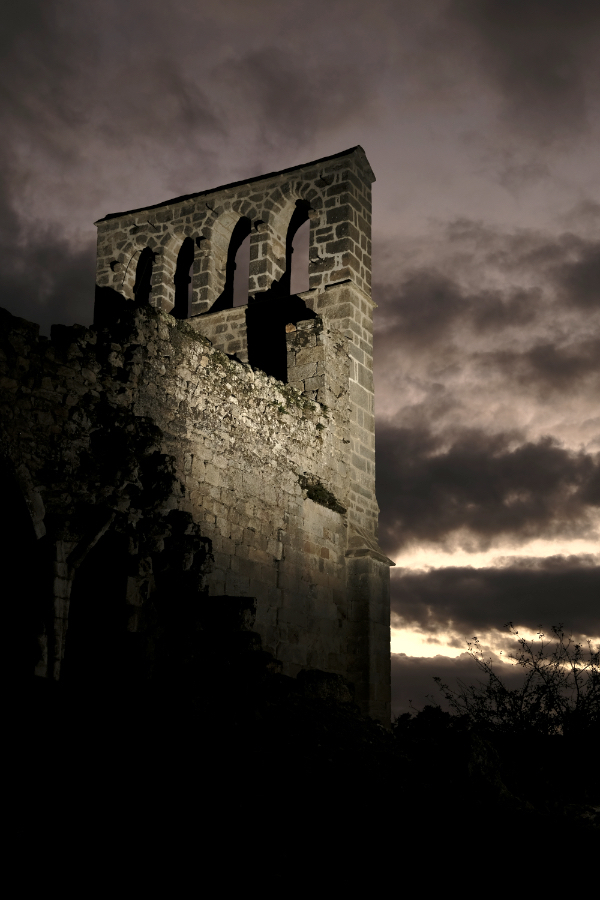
x: 424, y: 308
x: 146, y: 75
x: 485, y: 284
x: 457, y: 604
x: 548, y: 366
x: 67, y: 83
x: 44, y: 278
x: 529, y: 592
x: 515, y: 174
x: 566, y: 264
x: 585, y: 213
x: 65, y: 99
x: 421, y: 309
x: 580, y: 278
x: 43, y: 78
x: 431, y: 487
x: 292, y: 101
x: 141, y: 102
x: 540, y: 54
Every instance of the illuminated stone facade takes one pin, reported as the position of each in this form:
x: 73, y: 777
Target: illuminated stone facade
x: 246, y: 432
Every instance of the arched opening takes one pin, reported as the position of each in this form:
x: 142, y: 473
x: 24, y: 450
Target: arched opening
x: 299, y: 261
x: 299, y: 217
x: 183, y: 280
x: 143, y: 277
x: 238, y: 235
x: 95, y: 646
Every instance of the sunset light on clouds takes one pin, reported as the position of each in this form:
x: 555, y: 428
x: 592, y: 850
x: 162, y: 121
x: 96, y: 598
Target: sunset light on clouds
x: 480, y: 120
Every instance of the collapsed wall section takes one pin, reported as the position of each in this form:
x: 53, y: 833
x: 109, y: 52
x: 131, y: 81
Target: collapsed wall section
x: 255, y: 463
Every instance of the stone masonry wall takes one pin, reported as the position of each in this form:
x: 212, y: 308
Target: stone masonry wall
x: 247, y: 454
x: 278, y: 475
x: 227, y: 331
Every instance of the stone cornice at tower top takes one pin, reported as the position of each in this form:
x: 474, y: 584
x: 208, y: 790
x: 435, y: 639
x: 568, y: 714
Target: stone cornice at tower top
x: 358, y: 153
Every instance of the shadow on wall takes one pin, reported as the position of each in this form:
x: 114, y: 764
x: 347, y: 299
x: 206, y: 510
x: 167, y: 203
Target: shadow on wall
x: 183, y: 280
x: 143, y: 277
x: 108, y: 306
x: 266, y: 318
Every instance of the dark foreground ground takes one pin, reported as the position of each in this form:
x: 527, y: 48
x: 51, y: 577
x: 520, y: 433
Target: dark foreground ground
x: 219, y: 762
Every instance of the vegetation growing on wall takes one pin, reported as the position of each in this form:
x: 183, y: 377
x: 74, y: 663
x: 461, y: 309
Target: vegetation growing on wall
x: 318, y: 493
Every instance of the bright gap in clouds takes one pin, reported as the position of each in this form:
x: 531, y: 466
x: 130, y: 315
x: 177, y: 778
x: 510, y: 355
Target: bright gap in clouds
x: 415, y: 643
x: 421, y: 558
x: 492, y: 643
x: 404, y: 640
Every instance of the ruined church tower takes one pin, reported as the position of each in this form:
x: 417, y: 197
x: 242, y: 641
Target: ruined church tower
x: 264, y: 410
x: 321, y: 581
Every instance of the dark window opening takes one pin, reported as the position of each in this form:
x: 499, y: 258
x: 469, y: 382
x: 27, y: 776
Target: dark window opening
x: 143, y: 277
x: 183, y: 280
x: 239, y: 234
x: 97, y: 629
x: 242, y: 273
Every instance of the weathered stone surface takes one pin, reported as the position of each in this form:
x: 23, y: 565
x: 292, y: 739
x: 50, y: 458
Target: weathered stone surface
x: 144, y: 417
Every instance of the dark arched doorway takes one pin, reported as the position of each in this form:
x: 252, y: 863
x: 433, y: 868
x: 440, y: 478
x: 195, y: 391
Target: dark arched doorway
x: 26, y: 581
x: 95, y: 657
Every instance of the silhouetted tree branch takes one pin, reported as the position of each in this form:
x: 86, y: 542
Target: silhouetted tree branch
x: 560, y: 694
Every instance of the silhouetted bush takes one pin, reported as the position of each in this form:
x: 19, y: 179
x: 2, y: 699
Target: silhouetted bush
x: 560, y: 693
x: 528, y: 750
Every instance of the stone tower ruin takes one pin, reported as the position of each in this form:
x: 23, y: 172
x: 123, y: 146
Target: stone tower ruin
x: 262, y: 414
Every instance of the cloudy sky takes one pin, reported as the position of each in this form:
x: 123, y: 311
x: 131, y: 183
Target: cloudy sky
x: 481, y: 121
